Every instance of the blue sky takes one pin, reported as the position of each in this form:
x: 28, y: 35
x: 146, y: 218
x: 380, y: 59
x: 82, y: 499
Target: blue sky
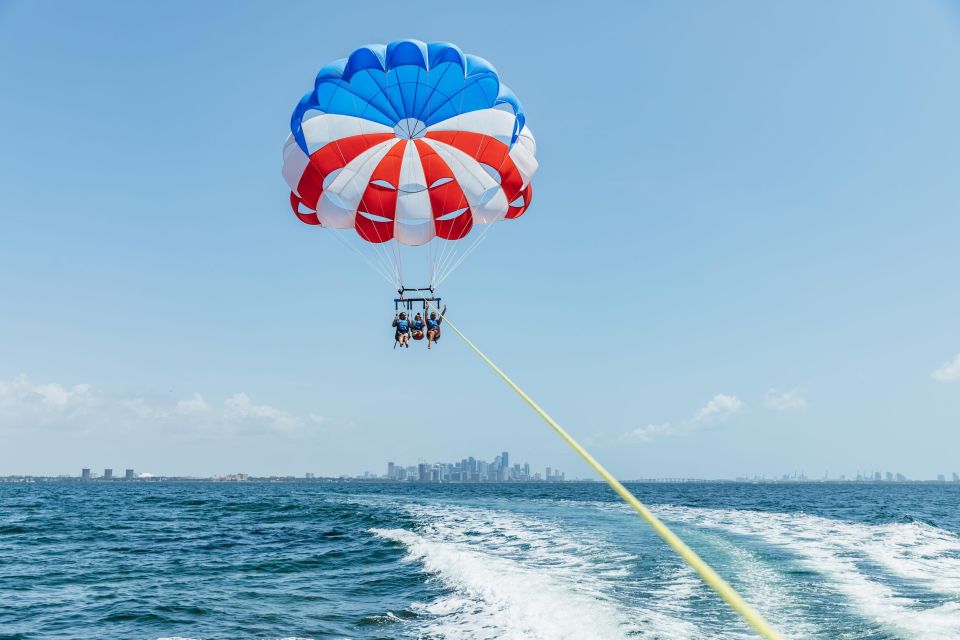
x: 742, y: 256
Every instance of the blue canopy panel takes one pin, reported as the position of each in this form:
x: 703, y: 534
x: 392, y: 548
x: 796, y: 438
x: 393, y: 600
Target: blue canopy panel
x: 403, y: 80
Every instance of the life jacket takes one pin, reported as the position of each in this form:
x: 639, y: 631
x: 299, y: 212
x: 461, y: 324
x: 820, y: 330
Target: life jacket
x: 432, y: 324
x: 403, y: 326
x: 417, y: 325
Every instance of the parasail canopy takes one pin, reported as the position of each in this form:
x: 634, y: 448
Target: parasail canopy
x: 407, y: 143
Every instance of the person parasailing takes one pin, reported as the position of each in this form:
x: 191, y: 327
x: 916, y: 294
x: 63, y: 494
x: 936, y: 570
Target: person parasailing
x: 402, y: 335
x: 417, y: 326
x: 433, y: 326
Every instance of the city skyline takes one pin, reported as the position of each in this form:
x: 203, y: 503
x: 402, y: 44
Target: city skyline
x: 471, y: 469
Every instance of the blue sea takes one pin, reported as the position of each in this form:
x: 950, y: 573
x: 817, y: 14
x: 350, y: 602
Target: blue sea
x: 472, y: 562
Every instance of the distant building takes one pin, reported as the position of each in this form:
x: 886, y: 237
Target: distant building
x: 901, y: 477
x: 85, y: 474
x: 391, y: 470
x: 128, y: 474
x: 108, y: 474
x: 309, y: 476
x: 940, y: 478
x: 876, y: 476
x: 956, y: 478
x: 889, y: 477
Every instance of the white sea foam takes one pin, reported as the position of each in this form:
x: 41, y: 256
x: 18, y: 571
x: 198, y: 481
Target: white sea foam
x: 511, y: 578
x: 848, y: 555
x: 769, y: 591
x: 497, y: 598
x: 763, y: 584
x: 677, y: 589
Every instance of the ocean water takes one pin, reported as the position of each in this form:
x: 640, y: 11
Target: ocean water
x: 472, y: 562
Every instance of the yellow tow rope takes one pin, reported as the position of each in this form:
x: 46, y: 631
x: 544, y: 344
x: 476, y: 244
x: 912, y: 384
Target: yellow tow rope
x: 711, y: 577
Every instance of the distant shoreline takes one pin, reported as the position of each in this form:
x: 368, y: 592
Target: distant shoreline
x: 20, y: 479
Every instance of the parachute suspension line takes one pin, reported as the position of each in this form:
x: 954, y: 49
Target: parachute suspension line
x: 399, y: 262
x: 448, y: 249
x: 457, y: 261
x: 378, y: 269
x: 463, y: 257
x: 705, y: 571
x: 447, y: 257
x: 395, y: 251
x: 391, y: 255
x: 432, y: 249
x: 388, y: 264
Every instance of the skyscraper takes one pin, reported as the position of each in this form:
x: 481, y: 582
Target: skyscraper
x: 85, y: 474
x: 108, y: 474
x: 128, y: 474
x: 505, y: 466
x: 391, y: 470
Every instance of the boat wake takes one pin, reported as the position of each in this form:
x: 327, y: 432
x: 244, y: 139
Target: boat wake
x: 508, y: 577
x: 507, y: 574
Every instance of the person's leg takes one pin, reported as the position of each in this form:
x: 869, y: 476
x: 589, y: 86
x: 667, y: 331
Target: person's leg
x: 430, y: 335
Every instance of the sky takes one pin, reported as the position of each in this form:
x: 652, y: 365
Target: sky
x: 742, y: 255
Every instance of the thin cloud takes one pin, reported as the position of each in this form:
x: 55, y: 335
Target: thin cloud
x: 792, y: 400
x: 239, y: 407
x: 196, y: 404
x: 949, y: 372
x: 651, y: 431
x: 719, y: 409
x: 84, y: 409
